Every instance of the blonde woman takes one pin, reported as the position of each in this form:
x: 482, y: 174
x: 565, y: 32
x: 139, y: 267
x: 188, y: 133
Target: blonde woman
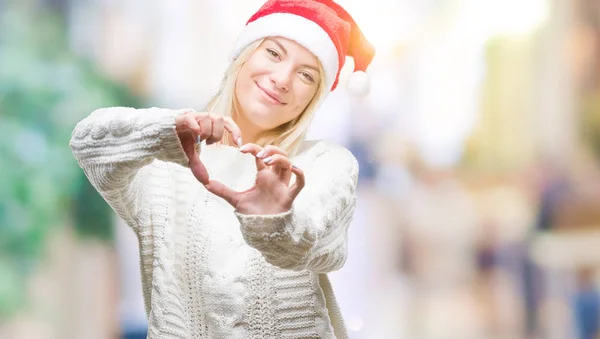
x: 238, y: 217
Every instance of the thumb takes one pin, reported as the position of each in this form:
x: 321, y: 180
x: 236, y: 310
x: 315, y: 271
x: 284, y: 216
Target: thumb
x: 198, y: 168
x: 219, y: 189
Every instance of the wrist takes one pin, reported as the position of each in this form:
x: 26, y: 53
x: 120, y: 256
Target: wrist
x: 264, y: 210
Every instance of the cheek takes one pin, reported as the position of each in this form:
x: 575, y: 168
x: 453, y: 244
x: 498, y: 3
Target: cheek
x: 250, y: 71
x: 242, y: 85
x: 244, y: 77
x: 304, y: 97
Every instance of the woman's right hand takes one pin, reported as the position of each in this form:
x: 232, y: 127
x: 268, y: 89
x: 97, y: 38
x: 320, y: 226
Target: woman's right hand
x: 193, y: 127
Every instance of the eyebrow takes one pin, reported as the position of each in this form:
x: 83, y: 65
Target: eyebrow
x: 280, y: 45
x: 285, y: 52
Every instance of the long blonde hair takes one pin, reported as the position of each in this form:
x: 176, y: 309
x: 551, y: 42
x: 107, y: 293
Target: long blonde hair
x: 288, y: 136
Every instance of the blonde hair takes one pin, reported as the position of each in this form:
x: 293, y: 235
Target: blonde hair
x: 288, y: 136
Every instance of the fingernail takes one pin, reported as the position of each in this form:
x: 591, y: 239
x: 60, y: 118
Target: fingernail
x: 198, y: 140
x: 239, y: 141
x: 294, y: 166
x: 267, y: 160
x: 243, y: 148
x: 261, y: 154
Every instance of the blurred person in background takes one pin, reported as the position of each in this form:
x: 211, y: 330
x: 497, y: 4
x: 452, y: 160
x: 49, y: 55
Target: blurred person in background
x: 232, y: 244
x: 586, y: 305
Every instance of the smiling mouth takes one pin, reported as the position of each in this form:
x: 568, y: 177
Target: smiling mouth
x: 269, y: 96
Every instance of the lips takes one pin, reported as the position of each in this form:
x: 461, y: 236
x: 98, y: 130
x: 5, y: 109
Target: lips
x: 272, y: 95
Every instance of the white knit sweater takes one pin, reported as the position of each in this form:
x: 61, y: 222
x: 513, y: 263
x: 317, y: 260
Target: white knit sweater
x: 208, y: 271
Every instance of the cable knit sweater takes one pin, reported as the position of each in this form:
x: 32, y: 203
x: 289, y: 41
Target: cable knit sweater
x: 208, y: 271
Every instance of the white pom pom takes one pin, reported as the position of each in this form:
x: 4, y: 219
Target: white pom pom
x: 358, y: 84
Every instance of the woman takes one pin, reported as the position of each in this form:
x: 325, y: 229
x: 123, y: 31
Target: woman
x: 232, y: 245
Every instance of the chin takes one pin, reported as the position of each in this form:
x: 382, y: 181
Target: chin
x: 260, y: 116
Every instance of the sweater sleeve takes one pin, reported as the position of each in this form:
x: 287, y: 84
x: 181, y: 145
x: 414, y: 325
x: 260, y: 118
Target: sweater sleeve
x: 114, y: 145
x: 312, y: 235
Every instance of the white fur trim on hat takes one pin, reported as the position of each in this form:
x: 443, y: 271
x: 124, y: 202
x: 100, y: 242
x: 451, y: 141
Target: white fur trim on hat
x: 305, y: 32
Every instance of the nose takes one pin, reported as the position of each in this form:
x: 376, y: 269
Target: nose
x: 281, y: 78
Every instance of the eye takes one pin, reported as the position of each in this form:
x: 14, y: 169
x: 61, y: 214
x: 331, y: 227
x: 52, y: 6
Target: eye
x: 273, y: 53
x: 308, y: 77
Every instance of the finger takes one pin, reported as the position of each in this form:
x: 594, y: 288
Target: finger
x: 205, y: 126
x: 234, y: 130
x: 188, y: 129
x: 286, y: 176
x: 298, y: 184
x: 217, y: 129
x: 280, y: 165
x: 260, y: 165
x: 187, y: 143
x: 278, y: 161
x: 188, y: 123
x: 251, y: 148
x: 221, y: 190
x: 199, y: 170
x: 189, y: 112
x: 271, y: 150
x: 254, y: 149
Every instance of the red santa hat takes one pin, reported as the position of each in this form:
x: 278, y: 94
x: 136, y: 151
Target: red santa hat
x: 321, y: 26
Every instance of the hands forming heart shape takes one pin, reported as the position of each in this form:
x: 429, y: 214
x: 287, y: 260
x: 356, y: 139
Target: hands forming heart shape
x: 271, y: 193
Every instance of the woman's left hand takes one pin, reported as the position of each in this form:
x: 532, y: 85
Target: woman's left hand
x: 271, y: 193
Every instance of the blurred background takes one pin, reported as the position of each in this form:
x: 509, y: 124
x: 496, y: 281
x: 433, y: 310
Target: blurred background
x: 479, y: 197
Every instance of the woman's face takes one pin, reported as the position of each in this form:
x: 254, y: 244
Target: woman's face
x: 276, y: 84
